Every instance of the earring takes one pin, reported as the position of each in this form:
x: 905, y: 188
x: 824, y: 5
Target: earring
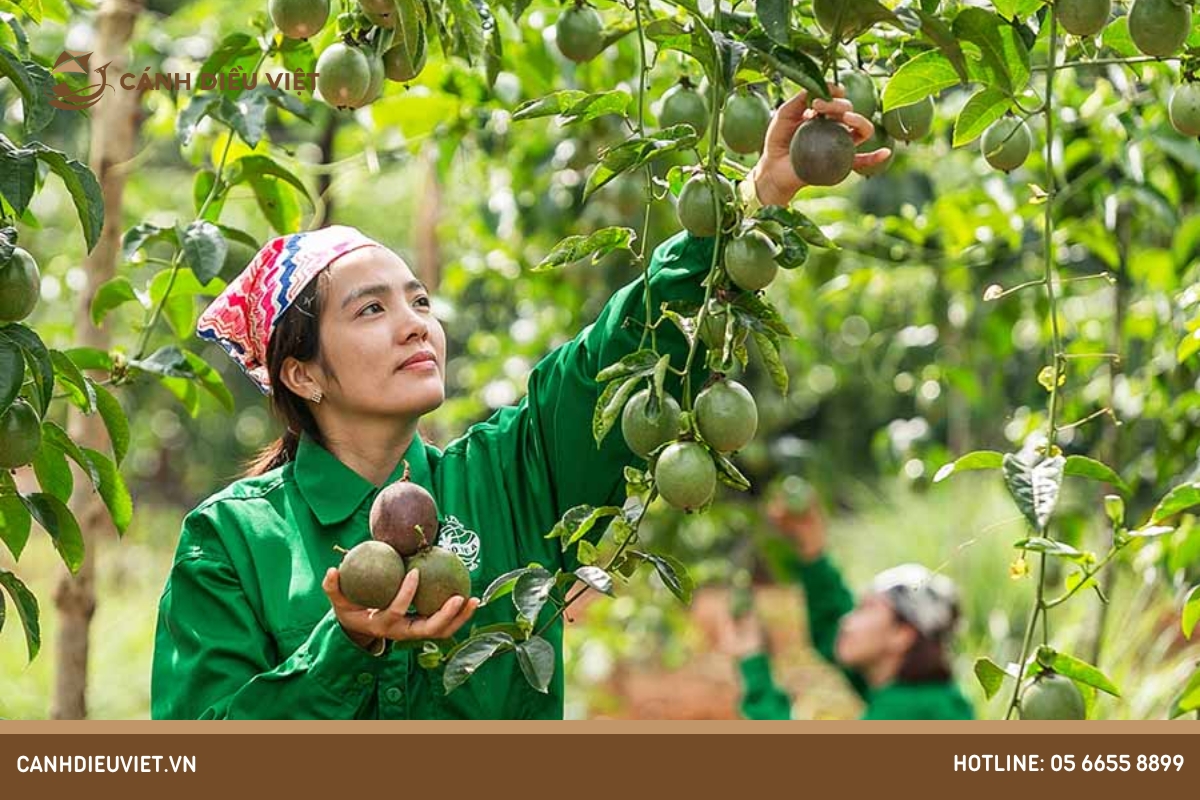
x: 317, y: 396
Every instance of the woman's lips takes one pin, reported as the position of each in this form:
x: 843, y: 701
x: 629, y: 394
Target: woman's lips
x: 419, y: 362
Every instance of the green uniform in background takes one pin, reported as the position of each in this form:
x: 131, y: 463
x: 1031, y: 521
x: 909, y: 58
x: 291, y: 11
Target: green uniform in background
x: 244, y: 628
x: 828, y: 600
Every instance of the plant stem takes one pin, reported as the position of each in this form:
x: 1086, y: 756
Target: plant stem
x: 569, y: 601
x: 641, y: 129
x: 1100, y: 62
x: 177, y: 259
x: 1039, y: 607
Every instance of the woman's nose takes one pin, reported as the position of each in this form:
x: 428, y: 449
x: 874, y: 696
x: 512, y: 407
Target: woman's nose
x: 411, y: 325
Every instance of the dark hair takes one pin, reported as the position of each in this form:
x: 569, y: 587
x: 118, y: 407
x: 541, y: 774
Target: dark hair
x: 296, y: 334
x: 925, y: 662
x: 928, y: 660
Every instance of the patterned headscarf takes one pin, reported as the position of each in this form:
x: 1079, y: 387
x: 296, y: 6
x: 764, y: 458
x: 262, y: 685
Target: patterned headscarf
x: 924, y: 599
x: 243, y: 317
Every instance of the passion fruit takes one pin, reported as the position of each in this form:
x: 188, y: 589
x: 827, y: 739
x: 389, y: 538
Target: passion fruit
x: 442, y: 575
x: 744, y: 124
x: 1083, y: 17
x: 750, y: 260
x: 20, y: 435
x: 1159, y: 27
x: 645, y: 433
x: 726, y: 415
x: 298, y: 19
x: 1006, y: 143
x: 343, y: 75
x: 911, y: 122
x: 404, y: 515
x: 695, y: 205
x: 860, y: 91
x: 1184, y: 109
x: 579, y: 33
x: 685, y: 475
x: 20, y: 286
x: 822, y: 152
x: 684, y: 105
x: 370, y: 574
x: 1052, y: 696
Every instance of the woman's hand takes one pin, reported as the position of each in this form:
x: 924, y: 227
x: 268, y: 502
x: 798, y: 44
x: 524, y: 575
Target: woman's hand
x: 806, y: 529
x: 773, y: 176
x: 741, y: 637
x: 366, y: 625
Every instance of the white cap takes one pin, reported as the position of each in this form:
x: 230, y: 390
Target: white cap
x: 926, y: 600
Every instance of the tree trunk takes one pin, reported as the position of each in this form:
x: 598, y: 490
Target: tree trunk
x: 114, y: 132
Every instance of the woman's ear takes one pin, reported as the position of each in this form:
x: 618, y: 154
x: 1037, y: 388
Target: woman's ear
x: 304, y: 378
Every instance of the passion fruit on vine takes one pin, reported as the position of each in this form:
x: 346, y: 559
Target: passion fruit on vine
x: 1159, y: 27
x: 685, y: 475
x: 579, y: 33
x: 744, y: 124
x: 343, y: 75
x: 1184, y: 109
x: 1006, y: 143
x: 822, y: 152
x: 697, y: 211
x: 682, y: 104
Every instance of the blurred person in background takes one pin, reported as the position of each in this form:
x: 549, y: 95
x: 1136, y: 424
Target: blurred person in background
x: 893, y: 645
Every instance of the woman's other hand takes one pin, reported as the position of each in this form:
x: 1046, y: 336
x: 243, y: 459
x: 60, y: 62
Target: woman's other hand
x: 774, y: 179
x: 366, y: 625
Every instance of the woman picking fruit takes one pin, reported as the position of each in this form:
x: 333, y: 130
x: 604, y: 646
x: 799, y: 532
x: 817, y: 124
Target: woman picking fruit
x: 253, y: 622
x: 892, y: 646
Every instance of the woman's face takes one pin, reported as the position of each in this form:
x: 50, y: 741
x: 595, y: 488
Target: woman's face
x: 384, y: 352
x: 871, y: 633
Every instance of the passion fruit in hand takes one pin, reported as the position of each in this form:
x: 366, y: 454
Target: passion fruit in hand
x: 822, y: 152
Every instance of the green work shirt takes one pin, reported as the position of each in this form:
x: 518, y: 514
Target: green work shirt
x: 245, y: 630
x: 828, y: 600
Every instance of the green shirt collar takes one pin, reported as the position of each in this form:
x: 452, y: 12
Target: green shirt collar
x: 334, y: 491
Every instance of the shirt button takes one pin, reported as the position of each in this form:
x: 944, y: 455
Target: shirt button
x: 393, y: 695
x: 365, y: 679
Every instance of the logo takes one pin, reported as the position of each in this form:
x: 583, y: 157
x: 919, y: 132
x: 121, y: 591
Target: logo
x: 460, y: 541
x: 69, y: 98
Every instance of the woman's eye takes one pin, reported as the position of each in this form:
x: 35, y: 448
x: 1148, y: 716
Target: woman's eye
x: 423, y: 302
x: 366, y: 309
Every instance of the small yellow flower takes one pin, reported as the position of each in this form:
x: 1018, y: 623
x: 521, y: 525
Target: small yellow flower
x: 1018, y: 569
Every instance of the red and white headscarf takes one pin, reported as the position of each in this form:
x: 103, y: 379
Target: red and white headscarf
x: 243, y: 317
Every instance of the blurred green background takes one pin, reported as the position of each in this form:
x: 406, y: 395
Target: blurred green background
x: 897, y: 364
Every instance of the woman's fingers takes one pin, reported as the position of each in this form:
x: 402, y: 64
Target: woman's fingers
x: 463, y: 616
x: 832, y: 108
x: 861, y: 128
x: 872, y: 158
x: 434, y: 626
x: 333, y: 589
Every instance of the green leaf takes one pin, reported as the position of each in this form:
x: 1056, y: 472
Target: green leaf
x: 204, y: 250
x: 168, y: 361
x: 1115, y: 37
x: 81, y: 185
x: 15, y: 524
x: 793, y: 220
x: 502, y: 586
x: 924, y: 76
x: 775, y: 18
x: 637, y: 364
x: 1005, y: 57
x: 596, y: 578
x: 537, y: 658
x: 531, y: 592
x: 549, y: 105
x: 729, y: 474
x: 1179, y: 499
x: 90, y: 358
x: 1191, y: 611
x: 114, y: 420
x: 1034, y: 487
x: 470, y: 28
x: 674, y: 575
x: 53, y: 473
x: 276, y: 189
x: 980, y: 459
x: 597, y: 245
x: 768, y: 350
x: 1076, y: 670
x: 246, y: 115
x: 146, y: 233
x: 985, y: 107
x: 33, y: 82
x: 112, y: 490
x: 27, y: 610
x: 472, y: 655
x: 12, y: 373
x: 111, y: 294
x: 18, y: 175
x: 37, y: 356
x: 1051, y: 547
x: 1189, y: 699
x: 79, y: 390
x: 610, y: 405
x: 55, y: 436
x: 1090, y: 468
x: 58, y: 521
x: 187, y: 120
x: 578, y: 521
x: 938, y: 32
x: 990, y: 675
x: 636, y: 152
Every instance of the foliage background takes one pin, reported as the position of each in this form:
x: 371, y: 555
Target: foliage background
x: 897, y: 365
